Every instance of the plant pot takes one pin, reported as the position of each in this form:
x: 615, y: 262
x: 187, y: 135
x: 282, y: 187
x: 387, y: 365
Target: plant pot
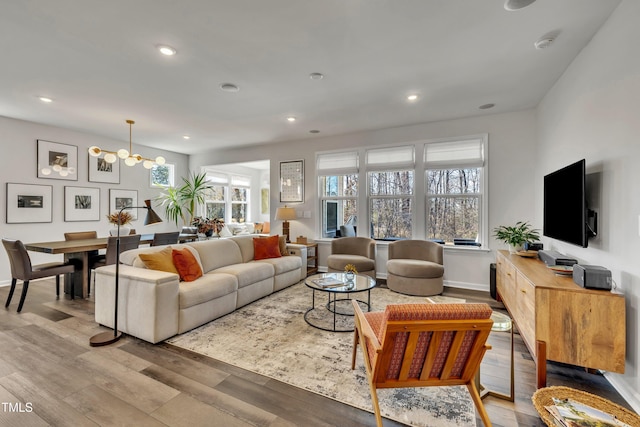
x: 515, y: 248
x: 124, y: 231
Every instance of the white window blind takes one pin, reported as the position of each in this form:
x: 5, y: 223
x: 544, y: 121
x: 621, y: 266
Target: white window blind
x: 339, y: 163
x: 240, y: 181
x: 393, y: 157
x: 454, y: 153
x: 217, y: 178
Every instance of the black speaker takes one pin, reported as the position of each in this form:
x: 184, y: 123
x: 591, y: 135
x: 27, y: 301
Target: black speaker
x: 492, y: 280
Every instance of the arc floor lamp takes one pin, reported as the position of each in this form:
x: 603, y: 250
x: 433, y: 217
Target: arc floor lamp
x: 105, y: 338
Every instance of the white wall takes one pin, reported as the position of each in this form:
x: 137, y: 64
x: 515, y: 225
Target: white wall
x: 512, y: 147
x: 593, y: 112
x: 18, y: 165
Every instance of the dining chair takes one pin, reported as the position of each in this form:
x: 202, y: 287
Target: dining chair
x: 93, y: 255
x: 422, y: 345
x: 126, y: 243
x: 22, y: 269
x: 168, y: 238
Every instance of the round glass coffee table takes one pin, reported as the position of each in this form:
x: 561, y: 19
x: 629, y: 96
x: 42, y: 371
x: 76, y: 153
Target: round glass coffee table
x: 337, y: 288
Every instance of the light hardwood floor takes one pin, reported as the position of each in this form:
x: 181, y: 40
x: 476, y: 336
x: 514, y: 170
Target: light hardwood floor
x: 49, y: 375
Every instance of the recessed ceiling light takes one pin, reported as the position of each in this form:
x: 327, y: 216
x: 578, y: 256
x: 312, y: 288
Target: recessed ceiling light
x: 486, y: 106
x: 291, y: 119
x: 544, y: 42
x: 412, y: 97
x: 316, y: 76
x: 167, y: 50
x: 186, y: 137
x: 45, y: 99
x: 229, y: 87
x: 314, y: 131
x: 512, y: 5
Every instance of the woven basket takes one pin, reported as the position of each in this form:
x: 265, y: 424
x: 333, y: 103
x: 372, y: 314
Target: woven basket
x: 543, y: 397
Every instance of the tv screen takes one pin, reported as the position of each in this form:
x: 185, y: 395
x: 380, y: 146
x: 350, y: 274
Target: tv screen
x: 565, y: 205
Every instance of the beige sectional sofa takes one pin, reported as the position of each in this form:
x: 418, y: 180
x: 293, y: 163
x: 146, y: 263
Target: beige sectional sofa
x: 154, y: 305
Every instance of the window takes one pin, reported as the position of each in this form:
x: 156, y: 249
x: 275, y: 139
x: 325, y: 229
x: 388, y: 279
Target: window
x: 338, y: 182
x: 390, y: 174
x: 162, y: 175
x: 454, y: 188
x: 228, y: 197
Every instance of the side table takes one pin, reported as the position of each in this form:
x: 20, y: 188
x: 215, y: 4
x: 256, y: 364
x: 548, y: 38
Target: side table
x: 501, y: 323
x: 312, y: 258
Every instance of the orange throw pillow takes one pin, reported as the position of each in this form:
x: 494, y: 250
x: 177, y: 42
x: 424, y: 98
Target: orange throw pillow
x: 161, y: 260
x: 186, y: 264
x: 266, y: 247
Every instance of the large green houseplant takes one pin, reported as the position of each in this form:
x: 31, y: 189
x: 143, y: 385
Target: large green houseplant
x: 516, y: 236
x: 180, y: 203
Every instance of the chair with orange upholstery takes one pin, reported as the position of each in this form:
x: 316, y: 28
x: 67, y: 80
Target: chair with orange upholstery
x: 423, y: 345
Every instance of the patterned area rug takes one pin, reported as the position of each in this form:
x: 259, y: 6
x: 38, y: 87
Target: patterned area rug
x: 270, y: 337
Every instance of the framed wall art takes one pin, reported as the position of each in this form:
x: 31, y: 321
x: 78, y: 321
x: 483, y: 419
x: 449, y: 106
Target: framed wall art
x: 57, y: 161
x: 292, y: 181
x: 81, y: 204
x: 119, y: 199
x: 29, y: 203
x: 101, y: 171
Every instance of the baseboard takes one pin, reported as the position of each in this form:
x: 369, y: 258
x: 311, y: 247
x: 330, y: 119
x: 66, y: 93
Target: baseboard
x: 629, y: 394
x: 467, y: 285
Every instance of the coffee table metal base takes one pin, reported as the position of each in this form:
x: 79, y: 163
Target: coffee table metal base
x: 331, y: 307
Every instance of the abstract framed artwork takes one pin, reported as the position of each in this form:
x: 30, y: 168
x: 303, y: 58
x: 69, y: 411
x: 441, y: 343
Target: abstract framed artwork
x: 29, y: 203
x: 57, y: 161
x: 81, y: 204
x: 292, y: 181
x: 119, y: 199
x: 102, y: 171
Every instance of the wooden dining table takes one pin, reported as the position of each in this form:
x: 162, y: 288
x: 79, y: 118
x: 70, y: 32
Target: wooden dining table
x: 79, y: 250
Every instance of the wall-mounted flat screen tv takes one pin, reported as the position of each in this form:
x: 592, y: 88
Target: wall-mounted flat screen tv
x: 565, y: 205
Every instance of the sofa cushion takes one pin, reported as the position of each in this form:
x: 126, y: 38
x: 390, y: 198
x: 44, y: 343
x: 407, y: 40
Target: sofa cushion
x: 206, y: 288
x: 283, y: 264
x: 132, y: 257
x: 339, y: 261
x: 415, y: 268
x: 160, y: 260
x: 266, y: 247
x: 248, y: 273
x: 216, y: 253
x: 186, y: 264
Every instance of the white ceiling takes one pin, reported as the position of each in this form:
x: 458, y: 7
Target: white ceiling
x: 97, y: 60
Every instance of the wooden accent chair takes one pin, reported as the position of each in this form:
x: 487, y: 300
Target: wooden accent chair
x: 22, y: 269
x: 423, y: 345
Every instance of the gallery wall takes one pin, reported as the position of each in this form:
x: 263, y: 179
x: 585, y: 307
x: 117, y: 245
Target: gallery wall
x: 592, y: 113
x: 18, y: 140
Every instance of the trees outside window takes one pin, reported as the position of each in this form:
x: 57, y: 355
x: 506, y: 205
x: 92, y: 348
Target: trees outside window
x: 391, y: 202
x: 339, y: 199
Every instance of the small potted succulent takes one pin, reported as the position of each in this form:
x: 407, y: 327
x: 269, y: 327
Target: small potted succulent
x: 516, y: 236
x: 124, y: 218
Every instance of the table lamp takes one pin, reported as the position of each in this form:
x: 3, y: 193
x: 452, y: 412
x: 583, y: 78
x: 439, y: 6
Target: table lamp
x: 285, y: 214
x: 105, y: 338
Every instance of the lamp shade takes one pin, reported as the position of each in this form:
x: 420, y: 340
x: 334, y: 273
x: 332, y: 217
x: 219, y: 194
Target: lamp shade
x: 285, y: 213
x: 152, y: 217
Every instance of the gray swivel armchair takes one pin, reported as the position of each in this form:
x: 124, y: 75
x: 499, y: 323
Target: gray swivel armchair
x: 359, y: 251
x: 415, y: 267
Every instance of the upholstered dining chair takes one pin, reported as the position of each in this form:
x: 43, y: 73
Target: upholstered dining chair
x: 359, y: 251
x: 93, y: 255
x: 126, y: 243
x: 423, y: 345
x: 168, y: 238
x: 22, y: 269
x: 415, y: 267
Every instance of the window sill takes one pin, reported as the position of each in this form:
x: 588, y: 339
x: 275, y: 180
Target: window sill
x: 447, y: 248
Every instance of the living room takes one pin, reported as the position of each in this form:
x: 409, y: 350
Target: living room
x: 589, y: 112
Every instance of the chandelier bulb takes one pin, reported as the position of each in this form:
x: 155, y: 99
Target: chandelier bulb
x: 94, y: 151
x: 45, y: 171
x: 57, y: 168
x: 160, y: 160
x: 130, y: 161
x: 148, y: 164
x: 110, y: 158
x: 122, y: 153
x: 64, y: 173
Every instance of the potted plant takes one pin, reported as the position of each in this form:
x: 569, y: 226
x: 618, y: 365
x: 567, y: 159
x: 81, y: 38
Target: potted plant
x: 124, y: 218
x: 180, y: 203
x: 208, y: 226
x: 516, y: 236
